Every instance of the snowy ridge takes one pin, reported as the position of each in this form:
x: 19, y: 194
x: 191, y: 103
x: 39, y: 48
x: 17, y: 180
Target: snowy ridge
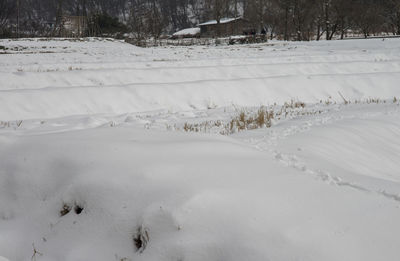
x: 183, y: 79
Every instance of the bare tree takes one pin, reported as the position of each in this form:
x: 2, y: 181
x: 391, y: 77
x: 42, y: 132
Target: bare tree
x: 7, y: 10
x: 368, y: 17
x: 218, y: 9
x: 285, y: 19
x: 391, y: 10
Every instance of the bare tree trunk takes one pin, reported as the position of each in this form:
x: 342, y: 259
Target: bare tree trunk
x: 18, y: 17
x: 327, y: 20
x: 286, y: 38
x: 398, y: 22
x: 58, y: 27
x: 342, y: 28
x: 333, y: 31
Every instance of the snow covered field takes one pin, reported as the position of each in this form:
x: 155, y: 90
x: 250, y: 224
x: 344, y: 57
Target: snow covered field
x: 113, y: 152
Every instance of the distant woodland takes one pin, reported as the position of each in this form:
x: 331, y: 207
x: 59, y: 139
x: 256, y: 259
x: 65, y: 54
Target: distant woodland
x: 300, y: 20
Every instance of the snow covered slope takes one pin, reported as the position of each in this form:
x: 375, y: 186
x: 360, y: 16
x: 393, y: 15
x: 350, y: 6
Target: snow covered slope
x: 198, y: 198
x: 56, y: 79
x: 95, y: 165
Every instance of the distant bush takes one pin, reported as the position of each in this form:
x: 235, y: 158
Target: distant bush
x: 105, y: 25
x: 5, y: 33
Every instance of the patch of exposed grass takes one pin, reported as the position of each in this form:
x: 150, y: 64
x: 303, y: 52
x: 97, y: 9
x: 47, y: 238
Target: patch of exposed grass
x: 248, y: 119
x: 141, y: 239
x: 65, y: 210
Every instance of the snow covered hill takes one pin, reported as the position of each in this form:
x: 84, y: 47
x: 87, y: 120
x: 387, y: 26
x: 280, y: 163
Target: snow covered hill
x: 113, y: 152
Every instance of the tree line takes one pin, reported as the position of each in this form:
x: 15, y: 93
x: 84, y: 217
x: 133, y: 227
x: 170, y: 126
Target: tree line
x: 284, y: 19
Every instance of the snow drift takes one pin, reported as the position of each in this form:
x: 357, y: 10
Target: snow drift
x: 196, y: 203
x: 112, y: 77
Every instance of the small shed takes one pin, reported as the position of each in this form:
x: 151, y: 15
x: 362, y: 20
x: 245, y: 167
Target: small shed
x: 226, y: 27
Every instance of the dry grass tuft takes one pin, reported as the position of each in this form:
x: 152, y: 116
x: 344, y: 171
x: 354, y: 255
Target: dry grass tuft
x: 141, y: 239
x: 65, y: 210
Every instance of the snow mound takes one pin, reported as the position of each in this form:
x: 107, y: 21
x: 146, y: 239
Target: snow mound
x: 147, y: 195
x: 188, y: 31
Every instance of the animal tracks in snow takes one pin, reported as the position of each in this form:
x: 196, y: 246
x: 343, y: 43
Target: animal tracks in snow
x: 285, y: 142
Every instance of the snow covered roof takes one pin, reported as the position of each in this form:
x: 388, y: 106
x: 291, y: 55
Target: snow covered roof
x: 222, y: 21
x: 188, y: 31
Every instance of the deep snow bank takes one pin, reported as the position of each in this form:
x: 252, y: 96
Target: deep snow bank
x: 42, y: 79
x: 197, y: 198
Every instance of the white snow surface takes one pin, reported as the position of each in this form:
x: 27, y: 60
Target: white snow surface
x: 97, y: 124
x: 74, y: 78
x: 222, y: 21
x: 188, y: 31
